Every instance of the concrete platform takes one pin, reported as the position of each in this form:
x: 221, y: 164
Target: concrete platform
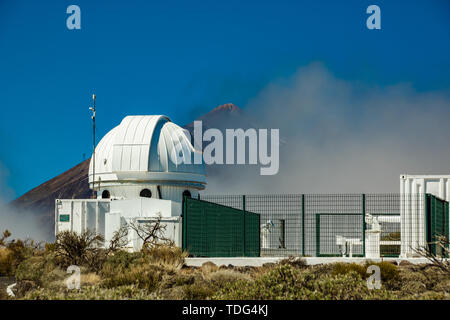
x: 257, y: 262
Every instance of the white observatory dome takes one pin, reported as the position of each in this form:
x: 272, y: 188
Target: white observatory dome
x: 135, y: 157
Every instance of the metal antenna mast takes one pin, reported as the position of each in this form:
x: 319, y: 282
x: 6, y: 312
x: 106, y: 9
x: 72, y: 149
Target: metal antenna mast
x: 93, y: 156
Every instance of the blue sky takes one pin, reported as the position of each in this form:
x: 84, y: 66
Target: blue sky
x: 183, y: 58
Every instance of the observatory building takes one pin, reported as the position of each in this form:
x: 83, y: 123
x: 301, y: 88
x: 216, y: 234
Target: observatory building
x: 144, y: 169
x: 141, y: 169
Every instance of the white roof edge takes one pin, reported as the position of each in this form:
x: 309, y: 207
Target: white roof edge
x: 420, y: 176
x: 146, y: 115
x: 150, y: 177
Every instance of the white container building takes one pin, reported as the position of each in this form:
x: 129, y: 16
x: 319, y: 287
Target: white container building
x: 412, y: 207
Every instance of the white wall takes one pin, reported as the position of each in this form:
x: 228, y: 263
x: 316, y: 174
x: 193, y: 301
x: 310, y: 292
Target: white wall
x: 132, y: 191
x: 412, y: 207
x: 83, y: 215
x: 108, y: 216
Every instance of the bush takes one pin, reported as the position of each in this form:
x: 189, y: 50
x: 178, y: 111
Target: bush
x: 442, y: 286
x: 83, y: 249
x: 39, y: 269
x: 297, y: 262
x: 178, y: 280
x: 390, y: 276
x: 279, y: 283
x: 143, y: 276
x: 344, y: 287
x: 13, y: 253
x: 287, y: 283
x: 222, y: 277
x: 413, y: 282
x: 90, y: 293
x: 3, y: 295
x: 158, y: 272
x: 344, y: 268
x: 209, y: 267
x: 137, y: 276
x: 119, y: 262
x: 6, y: 262
x: 184, y: 279
x: 198, y: 291
x: 31, y: 269
x: 168, y: 256
x: 145, y: 269
x: 424, y: 278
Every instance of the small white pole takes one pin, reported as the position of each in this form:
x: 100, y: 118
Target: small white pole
x: 93, y: 155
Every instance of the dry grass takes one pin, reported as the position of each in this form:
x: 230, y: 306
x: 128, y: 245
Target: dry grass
x: 5, y: 261
x: 169, y: 257
x: 208, y: 267
x: 144, y: 276
x: 221, y: 277
x: 140, y: 280
x: 90, y: 279
x: 159, y: 272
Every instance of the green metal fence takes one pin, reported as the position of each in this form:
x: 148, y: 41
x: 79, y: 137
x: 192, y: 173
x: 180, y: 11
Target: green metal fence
x: 215, y: 230
x: 437, y: 211
x: 331, y: 226
x: 312, y: 224
x: 340, y: 234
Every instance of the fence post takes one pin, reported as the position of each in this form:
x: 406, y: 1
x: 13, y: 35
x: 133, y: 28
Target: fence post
x: 303, y: 225
x: 445, y: 229
x: 317, y: 235
x: 243, y: 213
x: 259, y: 235
x: 363, y: 198
x: 427, y: 222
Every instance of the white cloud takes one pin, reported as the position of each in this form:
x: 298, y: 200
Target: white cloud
x: 21, y: 224
x: 345, y: 136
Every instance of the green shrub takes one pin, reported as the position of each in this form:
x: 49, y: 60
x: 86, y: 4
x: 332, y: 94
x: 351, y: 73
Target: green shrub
x: 198, y: 291
x: 6, y: 262
x: 119, y: 262
x: 3, y: 294
x: 345, y: 287
x: 170, y: 257
x: 83, y: 249
x: 40, y: 269
x: 413, y: 282
x: 390, y: 275
x: 222, y: 277
x: 280, y: 283
x: 129, y: 292
x: 419, y: 279
x: 143, y: 276
x: 344, y: 268
x: 209, y: 267
x: 6, y: 234
x: 14, y: 253
x: 297, y: 262
x: 184, y: 279
x: 31, y: 269
x: 287, y: 283
x: 145, y: 269
x: 442, y: 286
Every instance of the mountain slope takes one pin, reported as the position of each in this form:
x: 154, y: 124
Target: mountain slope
x: 40, y: 201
